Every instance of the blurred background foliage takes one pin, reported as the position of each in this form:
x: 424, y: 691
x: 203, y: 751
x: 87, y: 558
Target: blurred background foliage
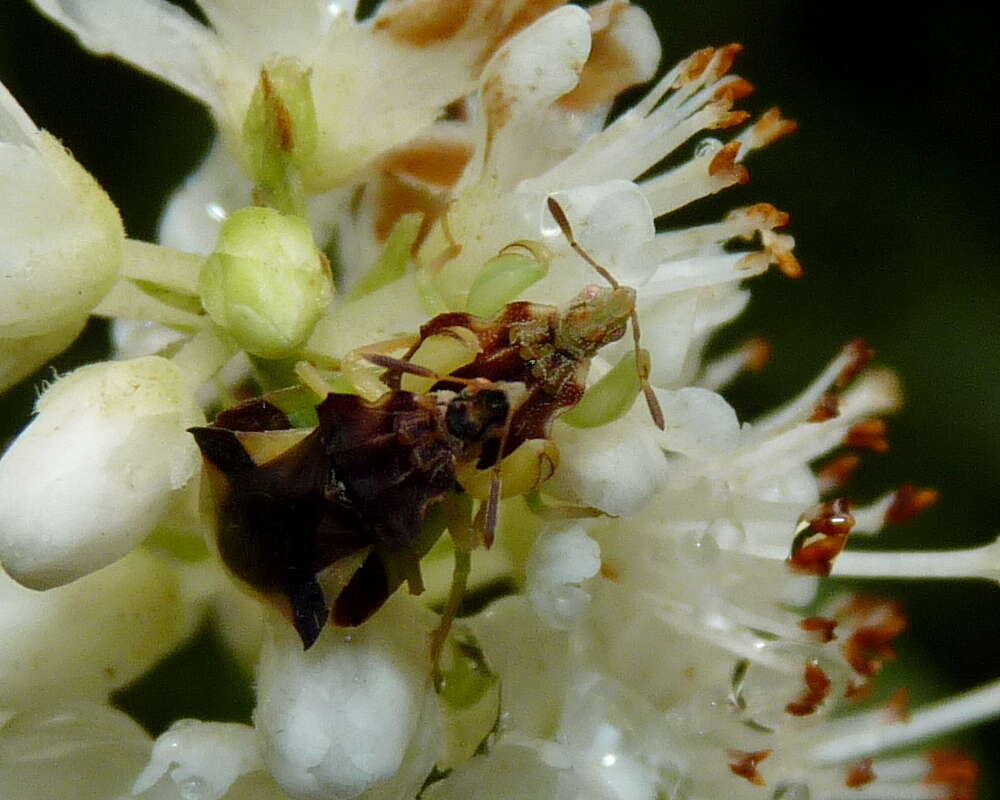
x: 891, y: 185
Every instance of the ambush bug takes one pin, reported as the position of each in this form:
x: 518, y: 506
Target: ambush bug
x: 327, y: 524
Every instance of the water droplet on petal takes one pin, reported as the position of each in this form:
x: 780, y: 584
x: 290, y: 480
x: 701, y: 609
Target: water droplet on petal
x: 728, y: 534
x: 700, y: 548
x: 194, y: 789
x: 708, y: 146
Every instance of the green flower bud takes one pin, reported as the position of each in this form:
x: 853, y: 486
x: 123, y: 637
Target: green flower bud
x: 280, y: 133
x: 612, y: 396
x: 266, y: 283
x: 504, y: 277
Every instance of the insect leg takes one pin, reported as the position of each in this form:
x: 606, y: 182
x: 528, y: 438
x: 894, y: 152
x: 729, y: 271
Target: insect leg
x: 458, y: 512
x: 367, y: 384
x: 642, y: 367
x: 489, y: 513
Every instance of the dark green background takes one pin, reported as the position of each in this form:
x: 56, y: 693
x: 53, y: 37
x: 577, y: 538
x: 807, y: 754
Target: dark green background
x: 891, y: 184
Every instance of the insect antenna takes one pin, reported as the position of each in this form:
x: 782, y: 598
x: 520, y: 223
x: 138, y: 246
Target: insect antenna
x: 641, y: 365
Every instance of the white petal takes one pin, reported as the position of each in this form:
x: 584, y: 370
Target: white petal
x: 79, y: 750
x: 206, y: 757
x: 700, y: 423
x: 509, y: 771
x: 260, y: 31
x: 16, y: 126
x: 60, y: 240
x: 91, y: 476
x: 559, y: 562
x: 616, y: 467
x: 22, y: 356
x: 90, y: 637
x: 612, y: 221
x: 355, y: 715
x: 198, y: 207
x: 137, y: 338
x: 533, y: 688
x: 529, y: 73
x: 154, y: 35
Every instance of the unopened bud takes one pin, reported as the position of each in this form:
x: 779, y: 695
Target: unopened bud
x: 280, y: 123
x: 504, y: 277
x: 60, y: 243
x: 266, y: 283
x: 94, y: 472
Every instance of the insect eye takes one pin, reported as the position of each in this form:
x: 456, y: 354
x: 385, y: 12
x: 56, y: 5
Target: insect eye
x: 469, y: 417
x: 496, y: 404
x: 460, y: 422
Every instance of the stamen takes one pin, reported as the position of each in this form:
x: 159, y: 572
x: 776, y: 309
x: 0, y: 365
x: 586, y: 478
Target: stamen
x: 836, y: 473
x: 768, y: 128
x: 868, y: 734
x: 742, y: 223
x: 752, y: 355
x: 745, y: 765
x: 801, y: 408
x: 202, y: 356
x: 641, y: 138
x: 895, y: 508
x: 976, y: 562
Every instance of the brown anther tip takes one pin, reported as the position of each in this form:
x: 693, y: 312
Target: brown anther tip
x: 696, y: 64
x: 860, y: 774
x: 861, y: 355
x: 730, y: 119
x: 827, y: 408
x: 877, y: 623
x: 858, y: 692
x: 610, y: 572
x: 898, y: 707
x: 821, y: 535
x: 735, y: 90
x: 908, y: 502
x: 954, y: 770
x: 838, y: 472
x: 727, y: 55
x: 821, y: 628
x: 765, y: 215
x: 757, y: 352
x: 868, y: 435
x: 745, y: 765
x: 724, y: 164
x: 772, y: 126
x: 817, y: 688
x: 789, y: 265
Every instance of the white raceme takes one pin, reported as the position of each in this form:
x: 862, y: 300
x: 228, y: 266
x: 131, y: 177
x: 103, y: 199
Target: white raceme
x: 661, y: 632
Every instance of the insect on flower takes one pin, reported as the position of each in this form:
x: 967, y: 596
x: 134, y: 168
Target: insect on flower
x: 328, y: 523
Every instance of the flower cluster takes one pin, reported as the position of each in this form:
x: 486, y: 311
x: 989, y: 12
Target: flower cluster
x: 399, y: 284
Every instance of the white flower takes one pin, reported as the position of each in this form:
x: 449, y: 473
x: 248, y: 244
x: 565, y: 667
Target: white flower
x: 376, y: 82
x: 202, y: 758
x: 89, y: 751
x: 91, y: 637
x: 560, y: 561
x: 356, y: 715
x: 60, y: 244
x: 106, y: 451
